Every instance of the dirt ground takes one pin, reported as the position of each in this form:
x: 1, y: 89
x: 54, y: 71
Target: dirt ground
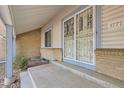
x: 16, y: 79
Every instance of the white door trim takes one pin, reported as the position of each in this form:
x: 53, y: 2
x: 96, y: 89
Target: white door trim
x: 94, y: 34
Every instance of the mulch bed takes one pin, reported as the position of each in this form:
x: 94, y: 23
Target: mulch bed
x: 16, y: 78
x: 16, y: 72
x: 1, y: 75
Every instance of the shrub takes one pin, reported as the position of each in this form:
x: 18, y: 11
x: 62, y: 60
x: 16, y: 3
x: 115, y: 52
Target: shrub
x: 21, y: 62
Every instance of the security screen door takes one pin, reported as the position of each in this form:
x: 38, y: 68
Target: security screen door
x: 78, y: 42
x: 69, y: 38
x: 84, y: 36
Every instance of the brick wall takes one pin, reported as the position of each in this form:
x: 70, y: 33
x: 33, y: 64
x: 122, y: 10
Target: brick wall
x: 2, y: 49
x: 110, y: 62
x: 28, y: 44
x: 51, y: 53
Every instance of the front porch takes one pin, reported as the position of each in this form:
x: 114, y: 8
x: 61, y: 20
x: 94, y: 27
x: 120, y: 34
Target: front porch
x: 88, y: 38
x: 64, y: 75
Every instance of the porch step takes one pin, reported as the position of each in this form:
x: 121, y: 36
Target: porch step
x: 98, y: 78
x: 25, y: 80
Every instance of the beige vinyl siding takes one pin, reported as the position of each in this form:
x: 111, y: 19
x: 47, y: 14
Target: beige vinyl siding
x: 56, y: 24
x: 112, y: 38
x: 2, y: 28
x: 55, y: 52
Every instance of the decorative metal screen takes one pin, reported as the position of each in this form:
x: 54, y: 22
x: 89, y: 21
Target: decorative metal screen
x: 84, y: 36
x: 69, y: 38
x: 78, y: 42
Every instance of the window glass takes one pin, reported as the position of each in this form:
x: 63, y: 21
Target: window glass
x: 48, y: 39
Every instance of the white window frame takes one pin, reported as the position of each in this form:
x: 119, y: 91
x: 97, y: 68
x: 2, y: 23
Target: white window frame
x: 74, y: 35
x: 50, y: 28
x: 94, y: 34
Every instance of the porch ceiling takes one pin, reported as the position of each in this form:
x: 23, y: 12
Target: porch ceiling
x: 29, y: 17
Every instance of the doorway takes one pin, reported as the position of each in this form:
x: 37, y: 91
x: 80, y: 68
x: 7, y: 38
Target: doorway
x: 79, y: 37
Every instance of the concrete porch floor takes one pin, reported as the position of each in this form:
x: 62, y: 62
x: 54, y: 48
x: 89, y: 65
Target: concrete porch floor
x: 57, y: 75
x: 51, y: 75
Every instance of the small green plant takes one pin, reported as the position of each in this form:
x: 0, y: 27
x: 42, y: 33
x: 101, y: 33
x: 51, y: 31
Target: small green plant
x: 21, y: 62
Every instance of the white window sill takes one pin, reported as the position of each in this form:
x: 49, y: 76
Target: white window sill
x: 50, y: 47
x: 2, y: 62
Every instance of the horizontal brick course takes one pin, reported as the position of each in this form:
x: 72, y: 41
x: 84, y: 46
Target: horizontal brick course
x: 2, y: 49
x: 110, y: 62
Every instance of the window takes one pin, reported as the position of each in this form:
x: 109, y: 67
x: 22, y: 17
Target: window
x: 48, y: 38
x: 80, y: 23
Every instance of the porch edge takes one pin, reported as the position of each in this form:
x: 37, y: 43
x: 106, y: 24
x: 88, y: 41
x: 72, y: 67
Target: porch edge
x: 33, y: 83
x: 88, y: 77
